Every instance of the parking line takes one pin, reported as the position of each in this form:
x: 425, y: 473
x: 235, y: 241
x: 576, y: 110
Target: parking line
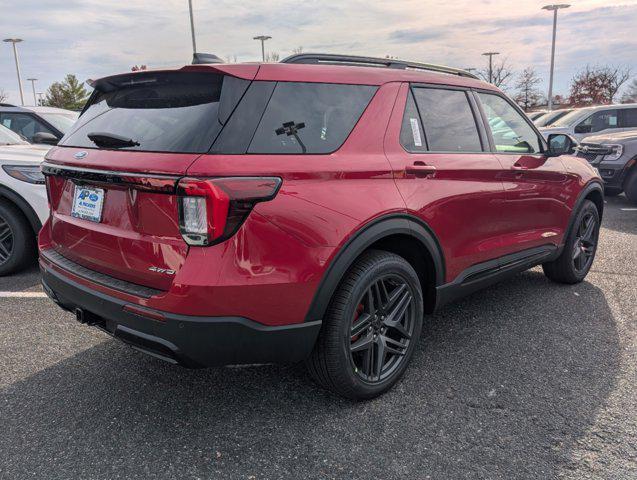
x: 23, y: 295
x: 628, y: 209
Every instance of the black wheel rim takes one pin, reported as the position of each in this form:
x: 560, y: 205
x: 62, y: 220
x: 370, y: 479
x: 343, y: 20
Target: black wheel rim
x: 6, y: 241
x: 585, y: 243
x: 382, y: 328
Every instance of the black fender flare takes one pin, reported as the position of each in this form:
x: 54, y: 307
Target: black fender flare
x: 367, y: 235
x: 593, y: 185
x: 23, y: 206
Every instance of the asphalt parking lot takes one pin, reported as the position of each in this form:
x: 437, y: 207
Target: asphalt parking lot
x: 527, y: 379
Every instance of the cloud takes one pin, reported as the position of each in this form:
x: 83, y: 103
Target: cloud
x: 92, y: 38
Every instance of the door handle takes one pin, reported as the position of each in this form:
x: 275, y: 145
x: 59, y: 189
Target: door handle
x: 420, y: 170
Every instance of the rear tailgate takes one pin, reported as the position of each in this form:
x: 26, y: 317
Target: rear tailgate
x: 137, y: 238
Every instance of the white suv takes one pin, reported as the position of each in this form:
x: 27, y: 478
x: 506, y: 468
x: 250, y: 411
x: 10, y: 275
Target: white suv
x: 23, y: 202
x: 584, y: 122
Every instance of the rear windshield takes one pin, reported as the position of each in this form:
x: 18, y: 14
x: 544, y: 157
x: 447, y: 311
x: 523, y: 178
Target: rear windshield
x: 206, y: 112
x: 171, y: 112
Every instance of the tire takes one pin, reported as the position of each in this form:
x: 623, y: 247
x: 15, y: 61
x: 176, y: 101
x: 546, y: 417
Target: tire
x: 345, y: 357
x: 630, y: 185
x: 612, y: 191
x: 580, y: 247
x: 17, y: 241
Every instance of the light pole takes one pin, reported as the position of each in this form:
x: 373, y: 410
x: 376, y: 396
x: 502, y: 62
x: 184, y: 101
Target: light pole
x: 490, y: 55
x: 192, y: 27
x: 263, y: 38
x: 35, y: 100
x: 17, y: 64
x: 554, y: 8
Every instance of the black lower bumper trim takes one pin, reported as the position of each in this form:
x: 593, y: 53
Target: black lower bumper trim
x: 191, y: 341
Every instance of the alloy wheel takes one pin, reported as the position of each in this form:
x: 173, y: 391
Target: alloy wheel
x: 382, y: 328
x: 6, y: 241
x: 585, y: 243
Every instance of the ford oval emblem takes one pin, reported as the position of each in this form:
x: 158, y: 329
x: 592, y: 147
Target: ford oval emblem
x: 80, y: 155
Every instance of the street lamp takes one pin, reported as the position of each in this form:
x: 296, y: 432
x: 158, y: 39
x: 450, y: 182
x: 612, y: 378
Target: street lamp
x: 263, y: 38
x: 490, y: 55
x: 35, y: 100
x: 554, y: 8
x: 192, y: 27
x: 17, y: 63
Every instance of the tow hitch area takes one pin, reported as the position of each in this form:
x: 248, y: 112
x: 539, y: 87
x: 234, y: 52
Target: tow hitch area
x: 87, y: 318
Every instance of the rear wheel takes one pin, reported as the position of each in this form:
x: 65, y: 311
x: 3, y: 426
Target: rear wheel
x: 576, y: 259
x: 630, y: 185
x: 371, y: 328
x: 16, y: 239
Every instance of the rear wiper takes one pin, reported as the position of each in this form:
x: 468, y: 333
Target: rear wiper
x: 110, y: 140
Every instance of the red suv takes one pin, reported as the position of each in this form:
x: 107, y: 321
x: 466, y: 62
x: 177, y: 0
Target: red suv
x: 313, y: 209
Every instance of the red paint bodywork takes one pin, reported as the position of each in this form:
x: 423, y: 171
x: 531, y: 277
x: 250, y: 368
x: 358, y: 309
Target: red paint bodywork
x: 479, y: 206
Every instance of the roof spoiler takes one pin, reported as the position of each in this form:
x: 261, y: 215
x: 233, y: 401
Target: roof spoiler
x: 205, y: 58
x: 353, y: 60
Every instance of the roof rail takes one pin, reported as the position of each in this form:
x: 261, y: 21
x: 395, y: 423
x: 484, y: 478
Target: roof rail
x: 7, y: 105
x: 354, y: 60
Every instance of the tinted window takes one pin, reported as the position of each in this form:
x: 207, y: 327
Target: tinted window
x: 24, y: 124
x: 167, y: 112
x: 629, y: 118
x: 448, y: 120
x: 598, y: 121
x: 309, y: 117
x: 510, y: 129
x: 411, y: 134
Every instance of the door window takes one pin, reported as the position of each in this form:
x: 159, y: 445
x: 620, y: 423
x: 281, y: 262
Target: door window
x: 628, y: 118
x: 511, y: 131
x: 448, y: 120
x: 24, y: 124
x: 598, y: 121
x: 412, y: 137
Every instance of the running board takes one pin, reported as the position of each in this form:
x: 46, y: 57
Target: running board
x: 484, y: 274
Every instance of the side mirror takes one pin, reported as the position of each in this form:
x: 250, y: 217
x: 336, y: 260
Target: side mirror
x: 560, y: 144
x: 46, y: 138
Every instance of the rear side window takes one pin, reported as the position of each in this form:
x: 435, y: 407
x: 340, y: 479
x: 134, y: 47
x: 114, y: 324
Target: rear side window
x: 448, y: 120
x: 167, y: 112
x: 628, y: 118
x: 309, y: 117
x: 511, y: 131
x: 24, y: 124
x: 412, y: 137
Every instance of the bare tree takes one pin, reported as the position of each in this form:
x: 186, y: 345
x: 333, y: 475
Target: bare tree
x: 630, y: 95
x: 597, y: 85
x: 231, y: 59
x: 528, y: 95
x: 272, y: 57
x: 500, y: 74
x: 3, y: 96
x: 297, y: 50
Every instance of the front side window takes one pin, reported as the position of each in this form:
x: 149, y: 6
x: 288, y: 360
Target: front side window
x: 447, y: 120
x: 511, y: 132
x: 309, y: 117
x: 24, y: 124
x: 598, y: 121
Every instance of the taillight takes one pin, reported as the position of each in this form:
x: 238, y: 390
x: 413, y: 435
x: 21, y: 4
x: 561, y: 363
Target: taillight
x: 212, y: 210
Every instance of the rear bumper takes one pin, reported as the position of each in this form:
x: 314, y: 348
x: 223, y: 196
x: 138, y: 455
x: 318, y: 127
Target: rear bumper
x: 191, y: 341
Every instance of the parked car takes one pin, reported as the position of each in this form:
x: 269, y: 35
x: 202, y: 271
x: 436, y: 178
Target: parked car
x: 23, y: 202
x: 534, y: 115
x: 615, y: 156
x: 550, y: 117
x: 40, y: 125
x: 310, y: 210
x: 603, y: 119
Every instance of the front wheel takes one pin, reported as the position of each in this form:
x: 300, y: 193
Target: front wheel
x: 580, y: 247
x: 630, y: 185
x: 371, y: 328
x: 17, y: 241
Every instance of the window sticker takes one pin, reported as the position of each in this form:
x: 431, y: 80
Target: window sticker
x: 415, y: 131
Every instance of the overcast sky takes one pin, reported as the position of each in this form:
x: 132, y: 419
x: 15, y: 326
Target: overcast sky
x: 92, y: 38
